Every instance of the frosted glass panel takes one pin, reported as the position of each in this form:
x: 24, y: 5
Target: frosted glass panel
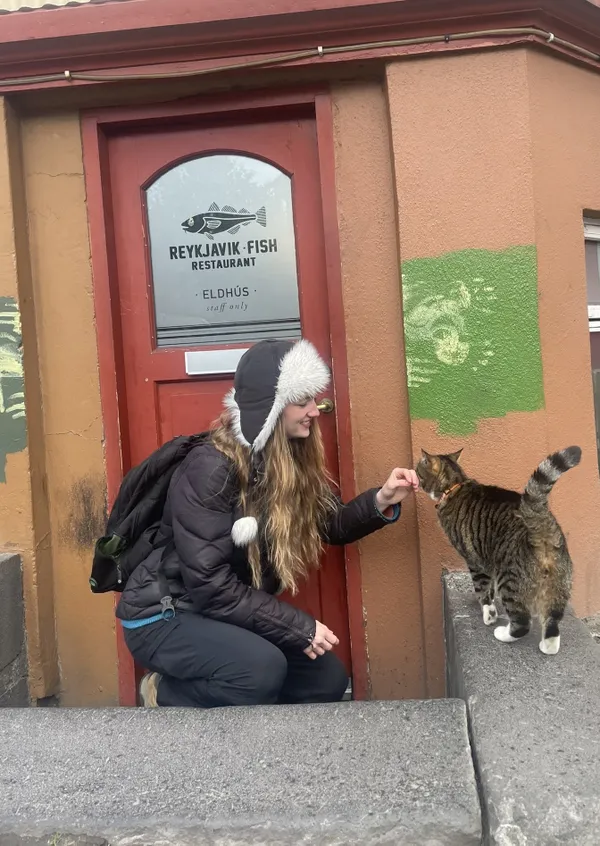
x: 223, y: 252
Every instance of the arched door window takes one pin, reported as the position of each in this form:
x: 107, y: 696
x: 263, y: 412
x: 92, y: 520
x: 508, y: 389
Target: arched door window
x: 222, y: 252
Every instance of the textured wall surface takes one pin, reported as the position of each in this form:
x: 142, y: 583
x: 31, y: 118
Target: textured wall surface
x: 72, y: 415
x: 377, y: 382
x: 461, y: 145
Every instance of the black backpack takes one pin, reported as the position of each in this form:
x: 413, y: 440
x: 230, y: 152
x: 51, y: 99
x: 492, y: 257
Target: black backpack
x: 136, y: 514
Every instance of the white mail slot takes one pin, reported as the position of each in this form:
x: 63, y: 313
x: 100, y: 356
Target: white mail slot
x: 212, y: 362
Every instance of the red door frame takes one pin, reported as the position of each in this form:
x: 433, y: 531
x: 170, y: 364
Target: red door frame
x: 97, y: 126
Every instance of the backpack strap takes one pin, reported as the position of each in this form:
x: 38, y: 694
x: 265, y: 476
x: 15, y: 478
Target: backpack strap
x: 166, y: 600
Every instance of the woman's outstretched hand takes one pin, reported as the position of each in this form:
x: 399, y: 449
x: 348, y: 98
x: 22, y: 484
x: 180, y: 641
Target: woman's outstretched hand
x: 401, y: 482
x: 323, y: 641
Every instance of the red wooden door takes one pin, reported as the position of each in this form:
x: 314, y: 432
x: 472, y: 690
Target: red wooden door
x: 163, y: 395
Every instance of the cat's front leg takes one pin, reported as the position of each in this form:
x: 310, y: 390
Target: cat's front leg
x: 490, y: 613
x: 484, y: 590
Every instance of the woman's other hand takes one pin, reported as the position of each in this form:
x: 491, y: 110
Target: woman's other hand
x: 323, y: 641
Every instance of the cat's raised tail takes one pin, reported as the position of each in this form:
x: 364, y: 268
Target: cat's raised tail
x: 545, y: 477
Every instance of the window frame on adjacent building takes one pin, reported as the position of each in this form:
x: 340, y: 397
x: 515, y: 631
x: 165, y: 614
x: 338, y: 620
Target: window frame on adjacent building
x: 591, y: 233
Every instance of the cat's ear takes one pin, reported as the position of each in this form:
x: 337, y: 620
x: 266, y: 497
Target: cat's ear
x: 455, y: 456
x: 425, y: 456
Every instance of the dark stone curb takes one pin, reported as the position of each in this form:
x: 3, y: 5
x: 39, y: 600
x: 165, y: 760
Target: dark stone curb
x: 14, y: 688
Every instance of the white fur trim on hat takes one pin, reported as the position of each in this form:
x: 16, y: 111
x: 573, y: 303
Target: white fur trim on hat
x: 234, y: 416
x: 244, y: 531
x: 302, y: 374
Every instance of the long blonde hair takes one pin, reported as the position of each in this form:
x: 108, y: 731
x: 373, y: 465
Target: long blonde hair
x: 291, y: 500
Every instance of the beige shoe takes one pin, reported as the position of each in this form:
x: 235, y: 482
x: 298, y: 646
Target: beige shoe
x: 149, y: 690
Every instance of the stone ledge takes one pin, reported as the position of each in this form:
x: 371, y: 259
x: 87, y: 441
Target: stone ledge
x: 333, y: 775
x: 12, y: 633
x: 14, y: 689
x: 534, y: 725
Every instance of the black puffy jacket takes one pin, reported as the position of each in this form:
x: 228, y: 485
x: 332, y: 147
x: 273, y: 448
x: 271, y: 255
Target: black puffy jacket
x: 206, y: 573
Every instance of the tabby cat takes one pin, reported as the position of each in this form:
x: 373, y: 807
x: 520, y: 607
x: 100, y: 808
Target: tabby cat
x: 512, y: 543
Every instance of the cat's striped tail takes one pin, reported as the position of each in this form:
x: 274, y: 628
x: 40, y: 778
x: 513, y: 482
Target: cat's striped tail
x: 545, y: 477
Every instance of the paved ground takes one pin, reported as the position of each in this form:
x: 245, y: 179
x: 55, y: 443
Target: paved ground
x: 333, y: 775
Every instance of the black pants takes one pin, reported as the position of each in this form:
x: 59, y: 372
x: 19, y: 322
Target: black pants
x: 208, y: 664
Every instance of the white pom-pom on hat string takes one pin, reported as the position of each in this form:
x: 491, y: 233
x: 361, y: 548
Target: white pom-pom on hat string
x: 244, y: 531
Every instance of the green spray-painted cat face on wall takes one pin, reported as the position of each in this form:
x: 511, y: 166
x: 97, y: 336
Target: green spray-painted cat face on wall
x: 472, y: 336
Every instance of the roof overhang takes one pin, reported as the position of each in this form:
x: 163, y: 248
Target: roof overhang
x: 143, y: 33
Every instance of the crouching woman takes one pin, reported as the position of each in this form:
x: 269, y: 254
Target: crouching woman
x: 246, y: 517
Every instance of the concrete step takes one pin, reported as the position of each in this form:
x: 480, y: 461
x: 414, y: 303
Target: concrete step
x: 322, y: 775
x: 534, y: 725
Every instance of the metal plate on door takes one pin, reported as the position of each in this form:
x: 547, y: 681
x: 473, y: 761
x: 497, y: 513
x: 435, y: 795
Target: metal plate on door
x: 212, y: 362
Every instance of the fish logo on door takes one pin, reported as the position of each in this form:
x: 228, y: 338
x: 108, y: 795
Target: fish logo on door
x: 215, y: 220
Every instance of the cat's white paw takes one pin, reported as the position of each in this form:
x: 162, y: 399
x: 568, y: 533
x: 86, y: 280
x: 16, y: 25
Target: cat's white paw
x: 490, y: 615
x: 550, y: 645
x: 502, y: 633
